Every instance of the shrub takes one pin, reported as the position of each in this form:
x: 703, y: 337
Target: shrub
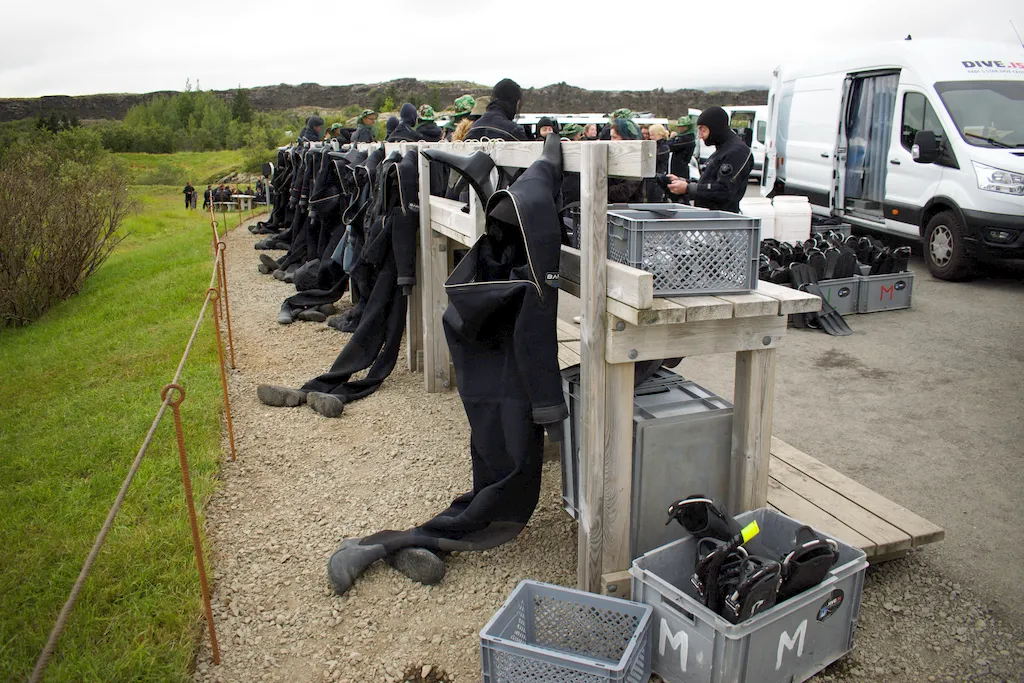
x: 62, y: 202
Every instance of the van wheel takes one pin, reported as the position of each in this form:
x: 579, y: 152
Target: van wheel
x: 945, y: 249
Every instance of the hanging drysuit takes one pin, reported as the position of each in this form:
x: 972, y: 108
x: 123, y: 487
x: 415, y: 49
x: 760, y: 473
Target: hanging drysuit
x: 500, y: 325
x: 391, y: 250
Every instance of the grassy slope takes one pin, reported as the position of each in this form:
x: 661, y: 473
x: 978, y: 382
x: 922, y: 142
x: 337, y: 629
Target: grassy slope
x: 79, y: 389
x: 201, y: 168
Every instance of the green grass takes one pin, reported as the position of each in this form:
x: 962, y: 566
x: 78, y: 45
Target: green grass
x: 201, y: 168
x: 78, y: 390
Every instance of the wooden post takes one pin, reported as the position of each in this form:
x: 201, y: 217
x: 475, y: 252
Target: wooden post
x: 618, y: 466
x: 414, y: 317
x: 435, y: 255
x: 751, y: 429
x: 593, y: 288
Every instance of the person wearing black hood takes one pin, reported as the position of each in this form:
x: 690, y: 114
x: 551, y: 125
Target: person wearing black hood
x: 405, y: 131
x: 314, y: 130
x: 724, y: 180
x: 390, y: 126
x: 545, y: 126
x: 498, y: 122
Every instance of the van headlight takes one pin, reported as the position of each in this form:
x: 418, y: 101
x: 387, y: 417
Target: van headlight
x: 998, y: 180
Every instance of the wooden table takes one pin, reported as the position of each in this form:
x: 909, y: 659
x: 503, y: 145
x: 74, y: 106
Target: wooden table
x: 244, y: 201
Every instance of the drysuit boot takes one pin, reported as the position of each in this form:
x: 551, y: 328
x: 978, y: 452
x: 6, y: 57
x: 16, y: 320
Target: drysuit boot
x: 500, y: 326
x: 702, y: 517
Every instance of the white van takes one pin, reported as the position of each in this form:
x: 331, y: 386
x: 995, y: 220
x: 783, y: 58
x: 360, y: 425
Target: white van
x: 916, y: 138
x: 751, y: 124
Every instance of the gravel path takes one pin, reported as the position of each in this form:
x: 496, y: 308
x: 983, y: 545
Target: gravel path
x: 303, y: 482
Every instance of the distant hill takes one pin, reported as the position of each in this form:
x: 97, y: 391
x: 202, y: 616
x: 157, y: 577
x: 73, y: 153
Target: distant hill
x: 552, y: 98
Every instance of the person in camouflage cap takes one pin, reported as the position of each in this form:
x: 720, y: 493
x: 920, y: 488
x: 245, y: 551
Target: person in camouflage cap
x: 364, y: 126
x: 426, y: 126
x: 571, y: 131
x: 685, y: 124
x: 463, y: 106
x: 627, y: 115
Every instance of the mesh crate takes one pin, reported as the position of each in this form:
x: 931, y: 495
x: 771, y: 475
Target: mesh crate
x: 689, y: 251
x: 550, y: 633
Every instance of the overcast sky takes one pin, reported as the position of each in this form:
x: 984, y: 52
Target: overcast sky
x: 100, y: 46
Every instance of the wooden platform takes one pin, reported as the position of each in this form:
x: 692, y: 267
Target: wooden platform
x: 808, y: 490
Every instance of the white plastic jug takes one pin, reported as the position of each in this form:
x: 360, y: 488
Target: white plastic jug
x: 792, y: 218
x: 759, y: 207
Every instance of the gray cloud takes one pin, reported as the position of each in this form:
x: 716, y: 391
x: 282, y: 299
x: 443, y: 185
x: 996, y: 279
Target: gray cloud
x: 116, y: 46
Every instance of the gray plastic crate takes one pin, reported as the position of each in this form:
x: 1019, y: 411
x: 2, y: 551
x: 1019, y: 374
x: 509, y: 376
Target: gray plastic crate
x: 885, y: 292
x: 682, y: 445
x: 693, y: 251
x: 785, y: 644
x: 841, y: 293
x: 550, y: 633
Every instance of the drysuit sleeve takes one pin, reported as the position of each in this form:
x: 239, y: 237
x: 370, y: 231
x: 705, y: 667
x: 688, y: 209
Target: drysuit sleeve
x: 536, y: 347
x: 720, y: 181
x: 403, y: 241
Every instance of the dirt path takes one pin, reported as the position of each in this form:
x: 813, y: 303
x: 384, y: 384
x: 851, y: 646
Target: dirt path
x: 303, y: 482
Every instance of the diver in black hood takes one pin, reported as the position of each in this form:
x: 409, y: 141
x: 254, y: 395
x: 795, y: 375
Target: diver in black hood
x: 724, y: 180
x: 405, y: 131
x: 314, y: 130
x: 498, y: 122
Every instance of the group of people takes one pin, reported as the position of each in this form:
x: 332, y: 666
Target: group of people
x: 223, y: 193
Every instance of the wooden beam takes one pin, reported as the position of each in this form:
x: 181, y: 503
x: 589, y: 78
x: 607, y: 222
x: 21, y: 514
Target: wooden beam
x: 631, y: 286
x: 921, y: 531
x: 593, y: 325
x: 626, y: 159
x: 632, y: 343
x: 753, y: 399
x: 750, y: 305
x: 568, y: 355
x: 448, y: 213
x: 414, y: 320
x: 618, y: 466
x: 436, y: 257
x: 617, y: 584
x: 888, y: 538
x: 790, y: 300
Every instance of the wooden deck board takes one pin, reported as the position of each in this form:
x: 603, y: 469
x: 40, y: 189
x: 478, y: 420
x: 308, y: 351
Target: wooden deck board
x: 887, y: 537
x: 920, y: 530
x: 789, y: 503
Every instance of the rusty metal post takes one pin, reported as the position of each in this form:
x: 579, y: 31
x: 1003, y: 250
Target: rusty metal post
x: 197, y: 545
x: 212, y: 292
x: 223, y: 247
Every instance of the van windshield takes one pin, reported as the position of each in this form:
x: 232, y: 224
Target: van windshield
x: 986, y: 113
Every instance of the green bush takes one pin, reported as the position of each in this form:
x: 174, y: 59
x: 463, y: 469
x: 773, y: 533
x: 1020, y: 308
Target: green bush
x: 62, y: 202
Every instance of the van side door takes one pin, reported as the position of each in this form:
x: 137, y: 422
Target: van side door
x: 908, y: 185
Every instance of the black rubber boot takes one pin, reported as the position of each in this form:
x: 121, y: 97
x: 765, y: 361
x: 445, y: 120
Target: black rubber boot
x: 263, y: 269
x: 270, y: 263
x: 419, y: 564
x: 282, y: 397
x: 328, y: 309
x: 703, y: 517
x: 280, y: 275
x: 351, y: 560
x: 284, y: 317
x: 311, y: 315
x: 327, y: 405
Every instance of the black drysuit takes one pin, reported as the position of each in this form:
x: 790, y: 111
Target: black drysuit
x: 724, y: 180
x: 363, y: 134
x: 429, y: 131
x: 681, y: 149
x: 391, y: 251
x: 500, y: 325
x: 497, y: 123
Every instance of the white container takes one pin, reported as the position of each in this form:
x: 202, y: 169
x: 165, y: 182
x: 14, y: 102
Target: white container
x: 759, y: 207
x: 792, y: 218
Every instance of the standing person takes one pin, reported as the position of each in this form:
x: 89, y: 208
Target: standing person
x: 426, y: 127
x: 659, y: 134
x: 590, y: 132
x: 623, y: 189
x: 681, y: 147
x: 390, y: 125
x: 724, y: 180
x: 188, y: 192
x: 498, y: 121
x: 207, y: 197
x: 545, y: 126
x: 406, y: 129
x: 364, y: 127
x: 314, y: 130
x: 463, y: 106
x: 645, y: 132
x: 572, y: 132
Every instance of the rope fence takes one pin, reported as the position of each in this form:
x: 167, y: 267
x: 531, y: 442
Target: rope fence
x: 172, y: 395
